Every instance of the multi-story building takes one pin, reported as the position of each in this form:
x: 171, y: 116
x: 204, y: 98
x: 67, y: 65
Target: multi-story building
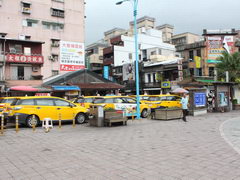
x: 167, y: 32
x: 94, y: 56
x: 48, y: 21
x: 202, y: 56
x: 119, y: 58
x: 180, y: 40
x: 20, y: 63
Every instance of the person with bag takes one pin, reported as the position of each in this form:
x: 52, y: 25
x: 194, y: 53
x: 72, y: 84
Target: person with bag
x: 184, y: 102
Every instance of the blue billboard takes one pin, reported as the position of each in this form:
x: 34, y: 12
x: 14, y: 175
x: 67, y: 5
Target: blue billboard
x: 199, y: 99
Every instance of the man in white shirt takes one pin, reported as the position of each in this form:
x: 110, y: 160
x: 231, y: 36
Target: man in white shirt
x: 184, y: 102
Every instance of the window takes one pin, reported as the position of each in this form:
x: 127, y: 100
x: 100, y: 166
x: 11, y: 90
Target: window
x: 44, y: 102
x: 27, y: 51
x: 15, y: 48
x: 118, y: 100
x: 30, y: 22
x: 52, y: 25
x: 191, y: 55
x: 154, y: 77
x: 211, y: 71
x: 149, y: 78
x: 58, y: 0
x: 27, y: 37
x: 171, y: 98
x: 54, y: 57
x: 199, y: 72
x: 199, y: 52
x: 130, y: 55
x: 55, y: 72
x: 153, y: 53
x: 26, y: 8
x: 20, y: 72
x: 55, y: 42
x: 108, y: 100
x: 26, y: 102
x: 59, y: 102
x: 57, y: 12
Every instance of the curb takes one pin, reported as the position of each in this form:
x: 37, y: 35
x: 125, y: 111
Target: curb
x: 237, y: 149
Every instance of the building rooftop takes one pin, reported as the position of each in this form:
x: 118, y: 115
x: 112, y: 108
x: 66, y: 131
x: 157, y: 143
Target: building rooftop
x: 183, y: 34
x: 143, y: 19
x: 113, y: 30
x: 165, y: 26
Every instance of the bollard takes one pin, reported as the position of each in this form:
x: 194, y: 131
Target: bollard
x: 17, y: 125
x: 2, y: 124
x: 74, y: 121
x: 34, y: 124
x: 60, y: 122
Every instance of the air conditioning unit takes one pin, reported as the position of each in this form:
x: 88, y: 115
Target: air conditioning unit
x: 51, y: 58
x: 35, y: 69
x: 26, y: 10
x: 13, y: 50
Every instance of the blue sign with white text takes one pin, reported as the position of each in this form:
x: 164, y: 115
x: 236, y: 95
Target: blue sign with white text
x: 106, y: 72
x: 199, y: 99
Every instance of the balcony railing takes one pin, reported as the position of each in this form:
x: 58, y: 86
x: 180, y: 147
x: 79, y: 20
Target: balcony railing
x: 108, y: 50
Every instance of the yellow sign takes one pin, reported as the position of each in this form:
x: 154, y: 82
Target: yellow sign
x: 166, y: 84
x: 197, y: 60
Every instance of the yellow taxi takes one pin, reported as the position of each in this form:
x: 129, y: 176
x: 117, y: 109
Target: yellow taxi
x: 45, y: 107
x: 125, y: 103
x: 5, y: 102
x: 143, y: 98
x: 85, y: 101
x: 165, y: 100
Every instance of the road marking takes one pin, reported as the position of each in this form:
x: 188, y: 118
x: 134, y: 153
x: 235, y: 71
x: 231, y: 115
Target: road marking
x: 236, y: 148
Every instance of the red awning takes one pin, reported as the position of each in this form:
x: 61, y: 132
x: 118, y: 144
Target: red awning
x: 23, y: 88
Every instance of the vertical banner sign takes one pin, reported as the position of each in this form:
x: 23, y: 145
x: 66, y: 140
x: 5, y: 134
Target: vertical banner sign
x: 197, y: 60
x: 106, y: 72
x: 71, y: 56
x: 180, y: 72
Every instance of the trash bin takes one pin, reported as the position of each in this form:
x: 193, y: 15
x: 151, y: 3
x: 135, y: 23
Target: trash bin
x: 97, y: 115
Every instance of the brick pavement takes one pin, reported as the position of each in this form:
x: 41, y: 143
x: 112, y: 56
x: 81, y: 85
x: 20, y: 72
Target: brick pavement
x: 146, y: 149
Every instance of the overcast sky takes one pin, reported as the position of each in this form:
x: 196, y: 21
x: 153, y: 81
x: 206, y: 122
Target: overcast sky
x: 185, y: 15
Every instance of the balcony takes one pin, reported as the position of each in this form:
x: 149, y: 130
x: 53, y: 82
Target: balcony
x: 108, y: 61
x: 108, y: 50
x: 117, y: 41
x: 152, y: 85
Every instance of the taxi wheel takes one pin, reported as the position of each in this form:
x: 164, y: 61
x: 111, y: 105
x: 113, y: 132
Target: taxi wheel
x: 30, y: 121
x: 80, y: 118
x: 144, y: 113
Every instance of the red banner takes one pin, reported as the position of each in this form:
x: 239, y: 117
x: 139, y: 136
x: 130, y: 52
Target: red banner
x: 64, y: 67
x: 17, y: 58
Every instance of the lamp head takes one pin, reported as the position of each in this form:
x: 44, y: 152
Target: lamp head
x: 120, y: 2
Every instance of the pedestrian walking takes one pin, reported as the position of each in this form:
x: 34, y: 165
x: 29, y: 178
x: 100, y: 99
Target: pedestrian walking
x: 184, y: 102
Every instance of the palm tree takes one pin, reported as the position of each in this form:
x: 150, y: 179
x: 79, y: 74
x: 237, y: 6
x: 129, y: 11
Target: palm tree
x: 230, y: 63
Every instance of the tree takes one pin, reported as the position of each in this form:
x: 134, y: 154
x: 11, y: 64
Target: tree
x: 230, y: 63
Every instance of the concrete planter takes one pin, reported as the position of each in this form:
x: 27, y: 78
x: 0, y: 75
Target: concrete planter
x: 167, y: 114
x: 113, y: 116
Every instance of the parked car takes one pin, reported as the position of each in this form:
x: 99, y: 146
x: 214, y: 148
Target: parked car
x: 143, y: 98
x: 166, y: 100
x: 5, y: 102
x: 4, y: 108
x: 85, y: 101
x: 45, y: 107
x: 122, y: 103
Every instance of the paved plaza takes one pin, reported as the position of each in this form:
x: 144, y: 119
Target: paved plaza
x: 204, y: 148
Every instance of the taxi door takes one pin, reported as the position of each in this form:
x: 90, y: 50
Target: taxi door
x: 45, y: 108
x: 64, y: 110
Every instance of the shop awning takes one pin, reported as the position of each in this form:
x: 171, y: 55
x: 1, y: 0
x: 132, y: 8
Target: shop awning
x: 23, y: 88
x: 66, y: 88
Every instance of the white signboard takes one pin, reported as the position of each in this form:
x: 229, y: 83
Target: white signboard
x: 129, y: 109
x: 71, y: 56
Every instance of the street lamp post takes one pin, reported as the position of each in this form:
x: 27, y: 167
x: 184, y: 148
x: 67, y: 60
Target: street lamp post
x: 135, y: 4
